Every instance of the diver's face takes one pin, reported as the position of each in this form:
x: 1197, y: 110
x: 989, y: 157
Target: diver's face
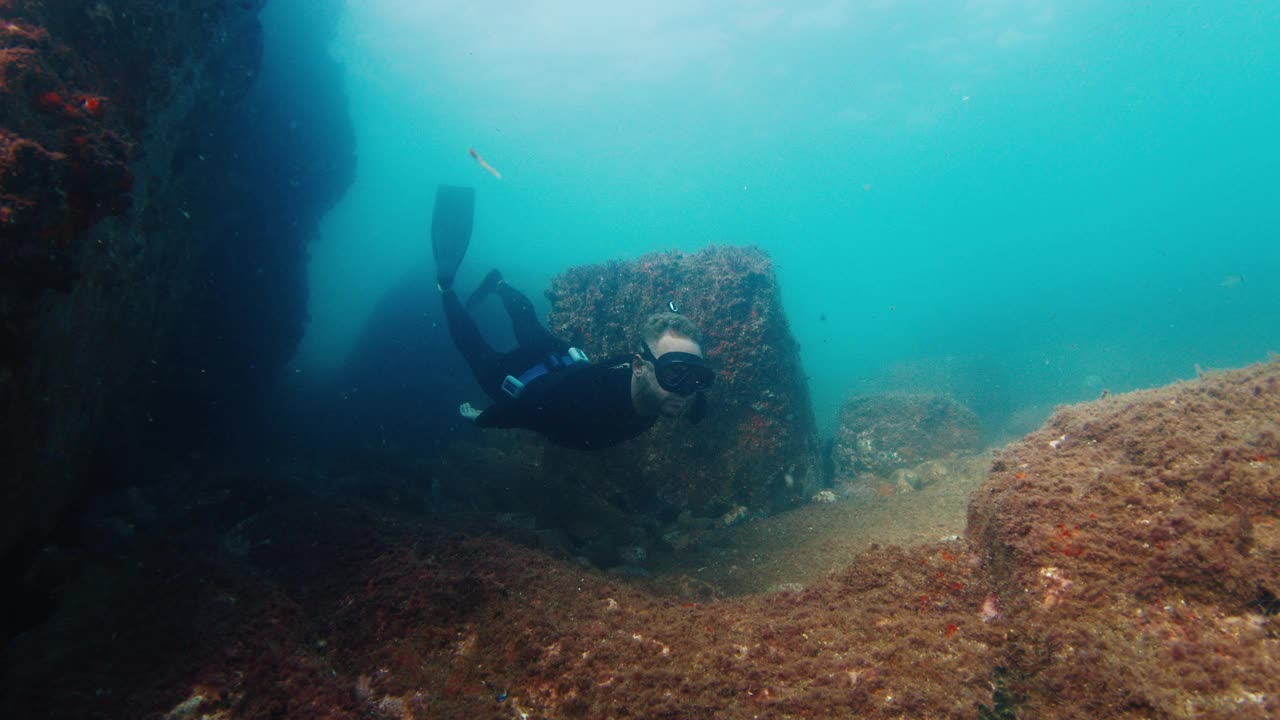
x: 663, y: 400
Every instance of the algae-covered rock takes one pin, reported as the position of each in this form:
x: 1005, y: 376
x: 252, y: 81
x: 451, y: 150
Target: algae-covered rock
x: 757, y: 445
x: 882, y: 433
x: 1139, y: 531
x: 1121, y: 563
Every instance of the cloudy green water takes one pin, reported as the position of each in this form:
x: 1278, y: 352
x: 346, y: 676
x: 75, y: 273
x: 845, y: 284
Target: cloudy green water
x: 1022, y: 203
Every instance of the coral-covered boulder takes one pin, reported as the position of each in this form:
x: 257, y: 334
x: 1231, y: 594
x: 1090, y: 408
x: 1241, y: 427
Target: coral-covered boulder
x: 879, y: 434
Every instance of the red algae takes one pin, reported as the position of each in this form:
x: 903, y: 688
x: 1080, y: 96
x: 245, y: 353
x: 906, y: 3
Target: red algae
x: 56, y: 196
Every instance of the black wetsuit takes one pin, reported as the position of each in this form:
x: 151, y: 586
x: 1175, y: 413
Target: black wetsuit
x: 581, y: 406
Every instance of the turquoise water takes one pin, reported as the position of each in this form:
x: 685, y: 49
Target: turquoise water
x: 1022, y: 203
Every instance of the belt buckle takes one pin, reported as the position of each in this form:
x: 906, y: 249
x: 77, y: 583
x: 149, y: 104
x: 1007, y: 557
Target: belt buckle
x: 512, y: 386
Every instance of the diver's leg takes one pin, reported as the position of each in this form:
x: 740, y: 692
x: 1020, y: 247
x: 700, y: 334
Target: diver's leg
x: 484, y: 361
x: 487, y: 287
x: 524, y: 322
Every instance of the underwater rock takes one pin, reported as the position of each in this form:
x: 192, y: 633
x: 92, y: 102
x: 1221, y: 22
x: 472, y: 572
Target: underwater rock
x: 882, y: 433
x: 930, y: 472
x: 390, y: 396
x: 824, y: 496
x: 137, y: 260
x: 494, y: 473
x: 1128, y: 573
x: 91, y: 100
x: 757, y: 445
x: 1140, y: 531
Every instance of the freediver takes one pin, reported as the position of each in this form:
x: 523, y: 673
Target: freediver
x: 547, y: 386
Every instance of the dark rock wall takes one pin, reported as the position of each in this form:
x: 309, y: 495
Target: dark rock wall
x: 152, y: 272
x: 263, y: 175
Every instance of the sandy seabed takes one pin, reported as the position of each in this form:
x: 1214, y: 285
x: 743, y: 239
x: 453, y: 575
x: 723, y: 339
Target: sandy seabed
x: 1123, y: 561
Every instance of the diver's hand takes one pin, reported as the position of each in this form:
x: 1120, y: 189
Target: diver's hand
x: 468, y: 412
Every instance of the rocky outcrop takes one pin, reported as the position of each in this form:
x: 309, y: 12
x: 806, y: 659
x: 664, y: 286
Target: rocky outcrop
x: 756, y: 451
x: 121, y: 222
x: 261, y: 177
x: 879, y: 434
x: 403, y: 380
x: 1139, y: 533
x: 757, y: 446
x: 1121, y: 562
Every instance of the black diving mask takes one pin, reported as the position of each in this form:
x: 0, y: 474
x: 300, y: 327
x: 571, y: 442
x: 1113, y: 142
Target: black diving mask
x: 679, y: 372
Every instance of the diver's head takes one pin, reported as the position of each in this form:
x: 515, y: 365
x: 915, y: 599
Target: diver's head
x: 668, y: 368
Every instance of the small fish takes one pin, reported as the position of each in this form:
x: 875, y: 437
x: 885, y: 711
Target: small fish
x: 1232, y: 281
x: 485, y: 165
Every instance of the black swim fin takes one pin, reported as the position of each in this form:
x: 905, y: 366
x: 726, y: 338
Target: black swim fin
x: 451, y: 230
